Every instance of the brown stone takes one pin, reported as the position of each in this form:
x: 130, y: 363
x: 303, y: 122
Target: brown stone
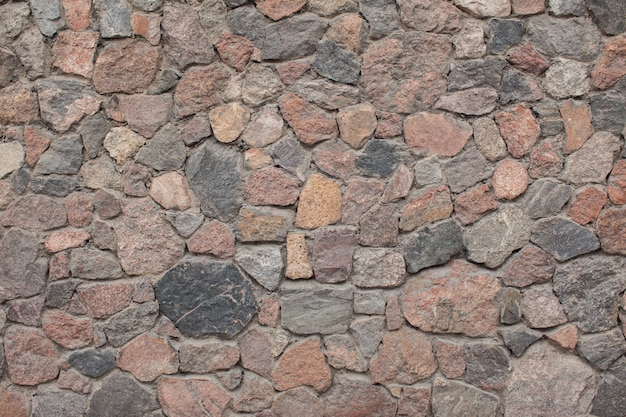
x: 526, y: 7
x: 31, y: 358
x: 207, y: 357
x: 36, y: 141
x: 471, y: 205
x: 350, y: 30
x: 335, y: 159
x: 331, y: 252
x: 266, y: 129
x: 148, y: 26
x: 310, y: 123
x: 297, y: 402
x: 611, y: 229
x: 106, y: 205
x: 526, y: 58
x: 611, y: 66
x: 393, y: 314
x: 298, y: 265
x: 269, y: 311
x: 438, y: 134
x: 13, y: 403
x: 430, y: 15
x: 147, y: 357
x: 587, y: 204
x: 290, y: 72
x: 509, y: 180
x: 530, y: 265
x: 171, y: 191
x: 65, y: 239
x: 541, y: 308
x: 302, y: 364
x: 617, y: 183
x: 357, y: 124
x: 379, y: 226
x: 405, y: 357
x: 228, y: 121
x: 577, y: 120
x: 146, y: 114
x: 18, y: 105
x: 429, y: 205
x: 566, y: 337
x: 59, y: 266
x: 73, y: 380
x: 451, y: 360
x: 234, y: 50
x: 455, y: 298
x: 185, y: 40
x: 256, y: 352
x: 200, y: 89
x: 77, y: 13
x: 68, y: 331
x: 263, y: 224
x: 35, y: 212
x: 399, y: 184
x: 74, y: 52
x: 352, y: 397
x: 125, y: 66
x: 272, y: 186
x: 519, y: 129
x: 214, y: 238
x: 104, y: 300
x: 320, y: 203
x: 473, y: 102
x: 414, y: 402
x: 546, y: 160
x: 359, y: 197
x: 78, y: 206
x: 191, y: 397
x: 389, y: 125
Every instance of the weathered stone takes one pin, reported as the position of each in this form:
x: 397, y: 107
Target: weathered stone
x: 234, y: 50
x: 185, y: 42
x: 510, y: 301
x: 348, y: 30
x: 518, y: 338
x: 256, y: 352
x: 213, y: 237
x: 298, y: 265
x: 575, y: 38
x: 331, y: 253
x: 248, y: 22
x: 502, y: 34
x: 355, y: 396
x: 269, y: 310
x: 450, y: 357
x: 263, y: 224
x: 608, y: 111
x: 485, y: 8
x: 31, y: 358
x: 65, y: 239
x: 93, y: 130
x: 74, y: 381
x: 609, y: 15
x: 165, y: 152
x: 430, y: 16
x: 588, y: 289
x: 469, y: 42
x: 517, y: 86
x: 335, y: 159
x: 609, y: 68
x: 78, y: 206
x: 102, y: 301
x: 548, y: 117
x: 567, y: 7
x: 125, y: 66
x: 148, y: 357
x: 356, y: 124
x: 545, y: 198
x: 382, y: 17
x: 476, y: 73
x: 320, y: 203
x: 326, y: 94
x: 11, y: 157
x: 256, y: 394
x: 164, y: 80
x: 417, y: 58
x: 271, y: 186
x: 207, y: 357
x: 541, y: 308
x: 27, y: 312
x: 276, y: 10
x: 230, y: 379
x: 438, y: 134
x: 535, y: 387
x: 122, y: 144
x: 475, y: 102
x: 336, y: 63
x: 566, y: 78
x: 466, y: 169
x: 602, y: 349
x: 291, y: 155
x: 30, y: 48
x: 359, y: 197
x: 291, y: 71
x: 471, y: 205
x: 114, y: 18
x: 577, y: 121
x: 59, y: 266
x: 130, y: 398
x: 74, y: 52
x: 487, y: 366
x: 546, y: 159
x: 526, y: 58
x: 315, y: 309
x: 15, y: 15
x: 428, y: 206
x: 369, y: 302
x: 64, y: 101
x: 379, y: 226
x: 587, y: 204
x: 304, y: 31
x: 526, y: 7
x: 106, y: 205
x: 263, y: 263
x: 611, y: 230
x: 185, y: 223
x: 54, y: 185
x: 378, y: 268
x: 310, y: 124
x: 64, y: 156
x: 145, y: 114
x: 171, y: 191
x: 265, y: 130
x: 617, y: 183
x: 93, y: 362
x: 399, y: 184
x: 59, y: 293
x: 530, y: 265
x: 192, y: 397
x: 59, y: 404
x: 433, y: 245
x: 519, y: 129
x: 66, y: 330
x: 509, y: 180
x: 47, y: 15
x: 298, y: 401
x: 200, y: 89
x: 89, y: 263
x: 196, y: 129
x: 450, y: 396
x: 35, y: 212
x: 131, y: 322
x: 593, y: 161
x: 488, y: 140
x: 147, y: 26
x: 36, y: 141
x: 380, y: 158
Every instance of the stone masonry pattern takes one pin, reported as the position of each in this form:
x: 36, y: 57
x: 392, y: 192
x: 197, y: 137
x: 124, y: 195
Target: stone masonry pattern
x: 312, y: 208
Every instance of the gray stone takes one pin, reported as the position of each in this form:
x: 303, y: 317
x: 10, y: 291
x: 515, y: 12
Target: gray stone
x: 381, y: 15
x: 59, y: 404
x: 609, y: 400
x: 185, y: 41
x: 9, y: 65
x: 11, y: 157
x: 576, y: 38
x: 207, y: 357
x: 163, y: 81
x: 466, y: 169
x: 451, y: 398
x: 260, y: 85
x: 93, y: 362
x: 336, y: 63
x: 594, y: 160
x: 93, y: 130
x: 35, y: 212
x: 185, y: 223
x: 548, y: 117
x: 64, y: 156
x: 21, y: 273
x: 14, y: 17
x: 488, y: 139
x: 89, y: 263
x: 610, y: 15
x: 326, y: 94
x: 602, y: 349
x: 20, y: 180
x: 567, y: 7
x: 518, y: 338
x: 263, y: 263
x: 428, y: 171
x: 147, y: 5
x: 589, y: 289
x: 380, y: 158
x: 510, y: 301
x: 309, y: 309
x: 517, y: 86
x: 502, y: 34
x: 486, y: 366
x: 541, y: 308
x: 47, y: 15
x: 378, y: 267
x: 54, y: 185
x: 433, y: 245
x: 303, y: 31
x: 369, y: 302
x: 26, y: 311
x: 103, y: 236
x: 248, y: 22
x: 59, y: 293
x: 289, y: 153
x: 545, y: 198
x: 368, y: 333
x: 121, y: 395
x: 206, y: 298
x: 30, y: 47
x: 492, y: 239
x: 212, y: 15
x: 131, y: 322
x: 472, y: 102
x: 331, y: 254
x: 608, y: 111
x: 165, y: 151
x: 213, y: 172
x: 342, y: 353
x: 114, y: 17
x: 566, y: 78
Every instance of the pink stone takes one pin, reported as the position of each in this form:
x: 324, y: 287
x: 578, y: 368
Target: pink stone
x: 310, y: 123
x: 269, y: 311
x: 611, y: 229
x: 78, y: 206
x: 234, y: 50
x: 59, y: 266
x: 35, y: 212
x: 353, y: 397
x: 566, y: 337
x: 611, y: 65
x: 359, y: 197
x: 31, y: 358
x: 428, y: 206
x: 73, y: 380
x: 65, y: 239
x: 256, y: 352
x: 271, y: 186
x: 105, y: 300
x: 509, y: 180
x: 302, y: 364
x: 26, y: 311
x: 290, y: 72
x: 13, y: 403
x: 36, y: 141
x: 389, y: 125
x: 278, y: 9
x: 526, y: 58
x: 526, y: 7
x: 438, y: 134
x: 393, y: 314
x: 214, y: 238
x: 68, y: 331
x: 414, y: 402
x: 74, y: 52
x: 171, y: 191
x: 77, y: 13
x: 519, y: 129
x: 577, y: 121
x: 617, y: 183
x: 146, y: 114
x: 335, y: 159
x: 546, y: 160
x: 191, y: 397
x: 450, y: 357
x: 349, y: 30
x: 147, y: 357
x: 471, y: 205
x: 541, y: 308
x: 530, y: 265
x: 399, y: 184
x: 587, y: 205
x: 18, y: 105
x: 147, y: 26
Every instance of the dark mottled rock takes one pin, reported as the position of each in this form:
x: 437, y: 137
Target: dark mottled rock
x: 131, y: 322
x: 576, y: 38
x: 93, y: 130
x: 545, y: 198
x: 54, y: 185
x: 518, y: 338
x: 476, y: 73
x: 548, y: 117
x: 89, y: 263
x: 608, y: 111
x: 93, y: 362
x: 608, y: 401
x: 47, y: 15
x: 114, y: 17
x: 331, y: 253
x: 379, y: 226
x: 609, y: 14
x: 486, y: 366
x: 503, y: 34
x: 25, y: 311
x: 130, y: 398
x: 263, y: 263
x: 380, y: 158
x: 517, y: 87
x: 381, y: 15
x: 64, y: 156
x: 30, y: 47
x: 602, y: 349
x: 59, y: 293
x: 336, y: 62
x: 466, y: 169
x: 64, y: 101
x: 450, y: 398
x: 35, y: 212
x: 147, y: 5
x: 20, y: 180
x: 291, y: 155
x: 206, y: 298
x: 563, y: 238
x: 589, y: 288
x: 185, y: 223
x: 316, y: 309
x: 59, y: 404
x: 9, y: 65
x: 165, y: 151
x: 163, y: 81
x: 248, y: 22
x: 303, y: 31
x: 433, y: 245
x: 22, y: 274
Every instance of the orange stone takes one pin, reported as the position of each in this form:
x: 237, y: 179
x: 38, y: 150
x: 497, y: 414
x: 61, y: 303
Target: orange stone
x: 611, y: 65
x: 320, y: 203
x: 147, y: 357
x: 298, y: 265
x: 277, y: 9
x: 349, y: 30
x: 509, y: 180
x: 587, y: 205
x: 303, y: 364
x: 577, y: 120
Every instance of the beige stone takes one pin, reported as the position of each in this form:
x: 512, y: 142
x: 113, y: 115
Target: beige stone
x: 228, y: 121
x: 509, y: 180
x: 320, y: 203
x: 171, y: 191
x: 122, y: 144
x: 256, y: 158
x: 357, y: 124
x: 11, y: 157
x: 298, y: 265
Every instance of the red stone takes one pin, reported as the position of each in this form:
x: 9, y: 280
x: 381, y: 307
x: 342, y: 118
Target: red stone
x: 290, y: 72
x: 269, y: 311
x: 530, y: 265
x: 59, y: 266
x: 587, y: 205
x: 335, y: 159
x: 566, y: 337
x: 74, y: 52
x: 65, y: 239
x: 525, y: 7
x: 68, y: 331
x: 303, y: 364
x: 438, y: 134
x: 310, y: 123
x: 509, y: 180
x: 147, y: 357
x: 35, y: 212
x: 200, y: 89
x: 359, y: 197
x: 611, y: 229
x: 451, y: 359
x: 526, y: 58
x: 256, y: 352
x: 471, y: 205
x: 519, y: 129
x: 147, y: 26
x: 277, y: 9
x: 611, y: 66
x: 13, y: 403
x: 107, y: 299
x: 545, y: 160
x: 428, y: 206
x: 271, y: 186
x: 36, y: 141
x: 577, y: 121
x: 214, y: 238
x: 234, y: 50
x: 77, y: 13
x: 191, y: 397
x: 389, y: 125
x: 617, y: 183
x: 31, y: 358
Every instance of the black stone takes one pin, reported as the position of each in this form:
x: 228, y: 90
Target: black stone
x: 381, y: 15
x: 336, y: 63
x: 545, y: 198
x: 602, y: 349
x: 93, y: 362
x: 55, y: 185
x: 121, y: 395
x: 380, y: 158
x: 291, y: 155
x: 503, y: 34
x: 213, y: 172
x: 64, y: 156
x: 131, y: 322
x: 433, y: 245
x: 93, y: 130
x: 487, y: 366
x: 548, y: 117
x: 60, y: 293
x: 519, y: 338
x: 563, y: 238
x: 608, y: 111
x: 206, y: 298
x: 248, y: 22
x: 294, y: 37
x: 610, y: 15
x: 476, y: 73
x: 20, y: 180
x: 517, y: 86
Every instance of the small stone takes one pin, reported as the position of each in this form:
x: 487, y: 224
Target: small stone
x: 617, y: 183
x: 517, y: 86
x: 171, y: 191
x: 196, y: 129
x: 11, y: 157
x: 488, y: 140
x: 428, y: 206
x: 190, y: 397
x: 164, y: 152
x: 593, y: 161
x: 433, y: 245
x: 59, y: 266
x: 256, y: 352
x: 263, y: 263
x: 602, y: 349
x: 228, y: 121
x: 430, y: 16
x: 382, y: 17
x: 519, y: 129
x: 93, y: 130
x: 309, y: 359
x: 450, y: 358
x: 487, y: 366
x: 576, y: 38
x: 451, y: 134
x: 207, y: 357
x: 266, y: 129
x: 277, y: 10
x: 310, y: 124
x: 484, y: 8
x: 148, y: 357
x: 475, y: 102
x: 135, y: 178
x: 65, y: 239
x: 545, y: 198
x: 356, y: 396
x: 200, y: 89
x: 566, y: 78
x: 27, y: 312
x: 102, y: 301
x: 587, y: 205
x: 106, y: 205
x: 541, y: 308
x: 78, y: 206
x: 74, y: 52
x: 263, y: 224
x: 369, y: 302
x: 577, y: 120
x: 375, y: 267
x: 146, y: 114
x: 466, y: 169
x: 60, y: 293
x: 164, y: 80
x: 35, y: 212
x: 379, y: 226
x: 269, y: 311
x: 399, y: 185
x: 546, y: 159
x: 380, y: 158
x: 65, y: 101
x: 31, y: 358
x: 566, y: 337
x: 469, y: 42
x: 530, y: 265
x: 331, y: 254
x: 304, y: 31
x: 356, y: 124
x: 471, y: 205
x: 359, y: 197
x: 130, y: 397
x: 526, y: 58
x: 348, y: 30
x: 608, y: 14
x: 548, y: 117
x: 125, y: 66
x: 64, y: 156
x: 567, y: 7
x: 122, y: 144
x: 509, y: 180
x: 256, y: 158
x: 147, y: 26
x: 72, y: 380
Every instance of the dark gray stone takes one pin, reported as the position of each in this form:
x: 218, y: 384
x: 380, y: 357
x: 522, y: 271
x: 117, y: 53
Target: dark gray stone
x: 165, y: 151
x: 185, y: 223
x: 610, y: 15
x: 248, y: 22
x: 93, y: 130
x: 206, y: 298
x: 549, y: 118
x: 114, y: 17
x: 545, y: 198
x: 510, y: 301
x: 289, y: 153
x: 59, y: 404
x: 589, y: 289
x: 518, y: 338
x: 164, y: 81
x: 517, y: 86
x: 309, y: 309
x: 93, y: 362
x: 336, y: 63
x: 131, y: 322
x: 609, y: 400
x: 55, y: 185
x: 326, y: 94
x: 368, y: 333
x: 381, y: 15
x: 121, y: 395
x: 2, y: 357
x: 476, y: 73
x: 608, y: 111
x: 64, y: 156
x: 9, y: 65
x: 264, y: 263
x: 213, y: 172
x: 563, y: 238
x: 60, y: 293
x: 380, y: 158
x: 294, y: 37
x: 486, y: 366
x: 451, y: 398
x: 47, y: 15
x: 89, y: 263
x: 602, y: 349
x: 20, y: 180
x: 576, y: 38
x: 103, y: 236
x: 235, y: 3
x: 147, y: 5
x: 502, y: 34
x: 22, y: 274
x: 466, y: 169
x: 433, y: 245
x: 331, y: 254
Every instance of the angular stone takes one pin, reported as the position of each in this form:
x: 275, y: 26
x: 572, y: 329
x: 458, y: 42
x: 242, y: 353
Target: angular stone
x: 130, y: 398
x: 263, y: 263
x: 517, y: 86
x: 475, y: 102
x: 450, y: 358
x: 326, y: 94
x: 356, y: 396
x: 185, y: 41
x: 11, y: 157
x: 476, y: 73
x: 548, y: 117
x: 90, y: 263
x: 610, y: 66
x: 471, y: 205
x: 255, y: 394
x: 36, y: 141
x: 518, y: 338
x: 185, y: 223
x: 290, y: 72
x: 74, y: 381
x: 125, y: 66
x: 191, y: 397
x: 609, y: 15
x: 165, y: 152
x: 545, y: 198
x: 602, y: 349
x: 59, y: 293
x: 214, y: 238
x: 378, y: 268
x: 502, y: 34
x: 65, y: 239
x: 35, y: 213
x: 54, y: 185
x: 611, y: 231
x: 291, y: 155
x: 526, y: 58
x: 131, y: 322
x: 449, y: 134
x: 617, y: 183
x: 519, y: 129
x: 541, y: 308
x: 428, y: 206
x: 380, y: 158
x: 304, y: 31
x: 369, y: 302
x: 469, y: 42
x: 320, y: 203
x: 114, y: 18
x: 196, y: 129
x: 30, y: 48
x: 271, y: 186
x: 297, y: 401
x: 27, y: 312
x: 336, y: 63
x: 530, y: 265
x: 147, y: 26
x: 47, y: 15
x: 74, y: 52
x: 466, y: 169
x: 263, y: 224
x: 335, y: 159
x: 430, y: 16
x: 171, y: 191
x: 79, y: 207
x: 566, y: 78
x: 393, y: 315
x: 93, y: 362
x: 145, y: 114
x: 546, y: 159
x: 526, y: 7
x: 102, y: 301
x: 256, y: 352
x: 93, y: 130
x: 207, y: 357
x: 269, y: 310
x: 608, y: 111
x: 106, y: 205
x: 266, y: 129
x: 509, y: 180
x: 593, y: 161
x: 485, y: 8
x: 587, y: 204
x: 59, y: 404
x: 488, y: 140
x: 331, y: 253
x: 450, y: 396
x: 577, y: 120
x: 607, y: 401
x: 66, y: 330
x: 307, y: 357
x: 357, y: 124
x: 298, y: 265
x: 148, y: 357
x: 310, y: 124
x: 315, y: 309
x: 399, y: 184
x: 348, y: 30
x: 567, y: 7
x: 248, y: 22
x: 359, y: 197
x: 234, y: 50
x: 417, y: 58
x: 200, y: 89
x: 122, y: 144
x: 64, y: 156
x: 276, y: 10
x: 576, y: 38
x: 433, y: 245
x: 64, y: 101
x: 164, y: 80
x: 382, y: 17
x: 31, y: 358
x: 379, y: 226
x: 487, y: 366
x: 16, y: 15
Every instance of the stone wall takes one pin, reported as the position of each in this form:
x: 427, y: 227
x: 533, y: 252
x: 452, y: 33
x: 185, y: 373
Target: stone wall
x: 300, y: 208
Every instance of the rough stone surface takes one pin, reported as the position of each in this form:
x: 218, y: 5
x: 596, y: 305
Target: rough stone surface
x: 428, y: 206
x: 185, y: 41
x: 593, y: 161
x: 302, y: 364
x: 31, y: 358
x: 318, y: 309
x: 503, y: 33
x: 64, y: 101
x: 517, y: 86
x: 545, y: 198
x: 609, y: 14
x: 102, y: 301
x: 130, y: 398
x: 541, y: 308
x: 263, y: 224
x: 125, y: 66
x: 450, y: 397
x: 59, y: 403
x: 171, y: 191
x: 310, y: 124
x: 602, y: 349
x: 200, y: 89
x: 147, y: 357
x: 305, y: 30
x: 380, y: 158
x: 146, y: 123
x: 263, y: 263
x: 473, y: 204
x: 298, y: 401
x: 587, y: 204
x: 577, y: 121
x: 466, y: 169
x: 213, y: 237
x: 530, y: 265
x: 485, y: 8
x: 331, y: 254
x: 487, y: 366
x: 510, y: 179
x: 234, y: 50
x: 191, y: 397
x: 575, y: 38
x: 207, y: 357
x: 336, y: 63
x: 519, y: 129
x: 566, y: 78
x: 449, y: 134
x: 433, y: 245
x: 319, y: 204
x: 271, y: 186
x: 518, y: 338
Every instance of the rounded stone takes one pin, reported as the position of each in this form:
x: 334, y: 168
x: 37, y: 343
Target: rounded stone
x: 509, y: 180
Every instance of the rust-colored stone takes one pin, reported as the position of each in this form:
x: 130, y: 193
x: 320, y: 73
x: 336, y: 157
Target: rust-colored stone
x: 451, y: 359
x: 13, y: 403
x: 519, y: 129
x: 617, y: 183
x: 611, y: 65
x: 303, y: 364
x: 191, y: 397
x: 66, y: 330
x: 214, y: 238
x: 74, y: 52
x: 104, y: 300
x: 18, y: 105
x: 428, y: 206
x: 438, y: 134
x: 310, y: 123
x: 471, y: 205
x: 200, y: 89
x: 526, y: 58
x: 77, y: 13
x: 320, y: 203
x: 587, y: 205
x: 577, y: 121
x: 234, y: 50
